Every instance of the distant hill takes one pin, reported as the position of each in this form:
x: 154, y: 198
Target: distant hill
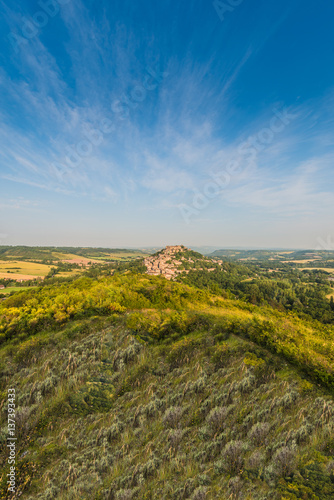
x: 54, y: 254
x: 279, y: 255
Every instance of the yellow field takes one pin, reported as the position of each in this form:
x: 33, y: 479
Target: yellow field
x: 66, y: 274
x: 10, y: 289
x: 62, y: 256
x: 20, y: 270
x: 78, y: 259
x: 121, y: 256
x: 305, y: 261
x: 327, y: 269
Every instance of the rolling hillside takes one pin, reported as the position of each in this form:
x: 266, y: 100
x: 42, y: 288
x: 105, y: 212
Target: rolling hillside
x: 133, y: 386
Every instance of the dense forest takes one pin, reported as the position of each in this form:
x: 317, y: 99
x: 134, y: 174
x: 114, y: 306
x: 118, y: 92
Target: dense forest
x: 304, y: 291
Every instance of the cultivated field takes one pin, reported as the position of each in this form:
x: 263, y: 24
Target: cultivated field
x: 119, y: 256
x: 21, y: 270
x: 304, y: 261
x: 10, y: 289
x: 327, y: 269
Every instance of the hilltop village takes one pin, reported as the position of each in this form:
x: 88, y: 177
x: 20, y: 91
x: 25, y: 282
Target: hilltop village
x: 174, y: 260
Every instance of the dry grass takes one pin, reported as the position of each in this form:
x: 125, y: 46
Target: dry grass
x: 20, y: 270
x: 327, y: 269
x: 304, y: 261
x: 10, y: 289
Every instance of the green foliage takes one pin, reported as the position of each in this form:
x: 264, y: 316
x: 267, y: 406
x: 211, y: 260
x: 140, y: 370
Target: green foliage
x: 178, y: 394
x: 291, y: 289
x: 54, y: 305
x: 115, y: 416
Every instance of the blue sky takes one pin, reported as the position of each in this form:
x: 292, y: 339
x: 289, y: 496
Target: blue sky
x: 138, y: 123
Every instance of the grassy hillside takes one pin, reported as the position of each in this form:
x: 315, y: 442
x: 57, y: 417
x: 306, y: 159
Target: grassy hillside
x: 135, y: 387
x: 55, y: 254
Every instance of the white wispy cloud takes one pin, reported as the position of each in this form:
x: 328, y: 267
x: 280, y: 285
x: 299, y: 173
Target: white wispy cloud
x: 20, y: 204
x: 170, y: 156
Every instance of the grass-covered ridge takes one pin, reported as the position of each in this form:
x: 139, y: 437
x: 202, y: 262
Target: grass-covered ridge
x: 48, y: 306
x: 145, y: 388
x: 308, y: 344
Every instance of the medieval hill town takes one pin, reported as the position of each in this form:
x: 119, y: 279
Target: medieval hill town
x: 173, y: 260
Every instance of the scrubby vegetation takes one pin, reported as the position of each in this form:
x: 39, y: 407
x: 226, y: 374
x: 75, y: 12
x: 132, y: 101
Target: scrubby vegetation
x: 304, y: 291
x: 131, y: 386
